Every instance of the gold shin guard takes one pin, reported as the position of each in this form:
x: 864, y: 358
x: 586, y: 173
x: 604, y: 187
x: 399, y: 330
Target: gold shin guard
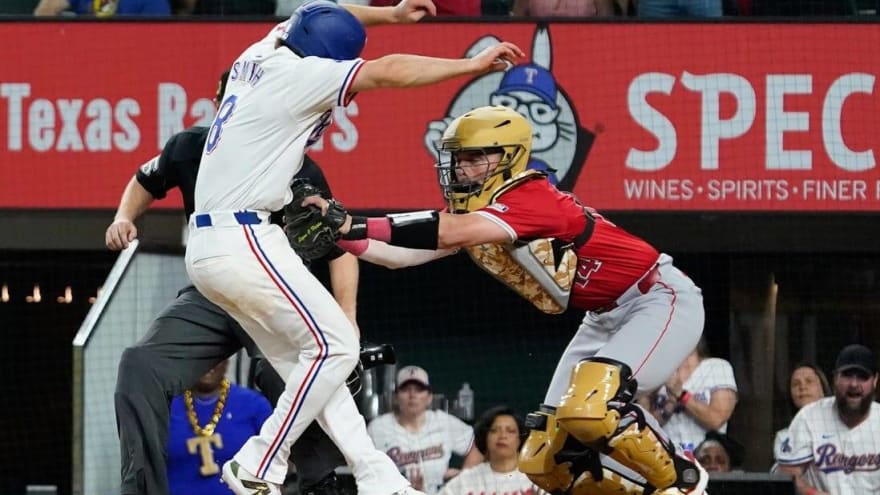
x: 600, y: 391
x: 545, y: 461
x: 537, y: 458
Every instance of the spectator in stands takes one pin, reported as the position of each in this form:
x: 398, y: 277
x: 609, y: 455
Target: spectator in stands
x: 224, y: 7
x: 103, y: 8
x: 832, y: 444
x: 699, y: 397
x: 811, y: 8
x: 209, y: 424
x: 498, y: 434
x: 284, y: 8
x: 807, y: 384
x: 563, y: 8
x: 421, y: 441
x: 445, y: 8
x: 719, y: 453
x: 666, y: 9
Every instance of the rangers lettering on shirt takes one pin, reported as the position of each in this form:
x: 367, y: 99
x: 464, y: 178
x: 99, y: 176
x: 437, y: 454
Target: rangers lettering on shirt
x: 402, y: 458
x: 829, y: 460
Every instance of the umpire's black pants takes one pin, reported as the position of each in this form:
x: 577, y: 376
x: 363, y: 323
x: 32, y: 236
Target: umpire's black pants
x: 188, y: 338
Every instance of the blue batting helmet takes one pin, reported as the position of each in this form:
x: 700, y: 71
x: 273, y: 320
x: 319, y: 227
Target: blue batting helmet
x: 324, y: 29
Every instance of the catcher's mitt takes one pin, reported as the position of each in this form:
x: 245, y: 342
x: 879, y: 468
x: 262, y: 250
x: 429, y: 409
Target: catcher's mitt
x: 311, y: 234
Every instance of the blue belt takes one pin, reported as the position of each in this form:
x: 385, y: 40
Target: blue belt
x: 242, y: 217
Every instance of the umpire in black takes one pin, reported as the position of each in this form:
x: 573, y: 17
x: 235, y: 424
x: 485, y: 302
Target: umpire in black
x: 191, y: 335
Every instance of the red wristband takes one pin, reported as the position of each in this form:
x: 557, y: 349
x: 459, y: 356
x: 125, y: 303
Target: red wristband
x: 379, y: 228
x: 812, y: 491
x: 684, y: 398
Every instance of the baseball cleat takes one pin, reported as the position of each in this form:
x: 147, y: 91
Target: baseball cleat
x: 242, y: 482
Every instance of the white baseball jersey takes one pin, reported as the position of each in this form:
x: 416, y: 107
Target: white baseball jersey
x: 842, y: 460
x: 482, y: 480
x: 276, y: 105
x: 710, y: 375
x: 428, y: 450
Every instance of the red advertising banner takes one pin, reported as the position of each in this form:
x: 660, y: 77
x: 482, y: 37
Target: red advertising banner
x: 760, y: 117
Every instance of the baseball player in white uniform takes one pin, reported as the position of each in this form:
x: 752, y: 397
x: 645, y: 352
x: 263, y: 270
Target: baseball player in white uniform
x: 419, y: 440
x: 833, y: 444
x: 279, y: 100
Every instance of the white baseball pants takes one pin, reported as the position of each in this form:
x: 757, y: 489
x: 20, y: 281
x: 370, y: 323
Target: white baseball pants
x: 245, y: 265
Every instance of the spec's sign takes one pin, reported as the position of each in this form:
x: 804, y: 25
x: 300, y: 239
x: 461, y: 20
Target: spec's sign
x: 629, y: 117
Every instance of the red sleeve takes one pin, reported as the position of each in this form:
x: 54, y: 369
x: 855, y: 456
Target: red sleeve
x: 536, y: 209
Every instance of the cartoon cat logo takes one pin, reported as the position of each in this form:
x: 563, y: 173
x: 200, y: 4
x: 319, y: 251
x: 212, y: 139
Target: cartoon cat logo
x: 560, y: 144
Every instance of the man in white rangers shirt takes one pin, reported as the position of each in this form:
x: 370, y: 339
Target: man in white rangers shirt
x: 833, y: 444
x: 419, y: 440
x: 279, y: 99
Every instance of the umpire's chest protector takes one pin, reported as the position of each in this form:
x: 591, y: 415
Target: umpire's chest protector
x: 542, y: 271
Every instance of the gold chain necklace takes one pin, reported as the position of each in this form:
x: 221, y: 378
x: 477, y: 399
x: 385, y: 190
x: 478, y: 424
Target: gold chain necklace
x: 208, y: 430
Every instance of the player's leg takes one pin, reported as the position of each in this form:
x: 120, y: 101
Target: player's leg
x: 187, y: 339
x: 558, y: 463
x: 254, y: 275
x: 655, y: 333
x: 314, y: 454
x: 660, y: 329
x: 374, y: 472
x: 652, y: 333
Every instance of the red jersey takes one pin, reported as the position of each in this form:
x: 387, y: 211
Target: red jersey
x: 609, y: 263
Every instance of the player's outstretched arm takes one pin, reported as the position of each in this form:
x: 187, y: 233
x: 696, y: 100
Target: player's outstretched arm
x: 135, y: 201
x: 408, y: 71
x: 393, y: 257
x: 430, y: 229
x: 405, y: 12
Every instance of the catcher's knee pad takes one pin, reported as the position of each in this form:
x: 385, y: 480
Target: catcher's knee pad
x: 537, y: 458
x: 597, y: 410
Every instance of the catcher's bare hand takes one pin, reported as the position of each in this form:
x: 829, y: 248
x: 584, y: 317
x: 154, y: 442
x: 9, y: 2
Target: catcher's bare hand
x: 119, y: 234
x: 496, y: 58
x: 318, y: 201
x: 409, y: 11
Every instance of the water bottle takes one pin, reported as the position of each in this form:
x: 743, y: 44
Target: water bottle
x: 466, y: 402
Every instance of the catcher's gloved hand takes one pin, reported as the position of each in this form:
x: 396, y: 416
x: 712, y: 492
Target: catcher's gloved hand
x: 311, y: 234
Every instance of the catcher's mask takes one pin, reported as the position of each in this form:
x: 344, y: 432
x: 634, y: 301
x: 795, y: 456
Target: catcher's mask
x: 471, y: 139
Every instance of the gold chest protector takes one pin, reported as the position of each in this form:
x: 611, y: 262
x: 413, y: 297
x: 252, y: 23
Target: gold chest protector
x: 532, y: 270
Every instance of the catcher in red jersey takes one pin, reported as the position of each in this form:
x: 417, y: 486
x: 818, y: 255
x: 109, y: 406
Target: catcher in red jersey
x: 643, y: 315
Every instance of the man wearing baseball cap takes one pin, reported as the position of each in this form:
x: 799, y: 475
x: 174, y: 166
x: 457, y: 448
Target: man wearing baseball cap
x: 833, y: 444
x: 418, y: 439
x: 413, y: 374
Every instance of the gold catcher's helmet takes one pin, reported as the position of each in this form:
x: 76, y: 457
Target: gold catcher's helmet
x: 489, y: 129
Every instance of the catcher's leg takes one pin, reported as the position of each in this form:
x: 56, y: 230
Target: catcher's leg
x: 558, y: 463
x: 598, y: 410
